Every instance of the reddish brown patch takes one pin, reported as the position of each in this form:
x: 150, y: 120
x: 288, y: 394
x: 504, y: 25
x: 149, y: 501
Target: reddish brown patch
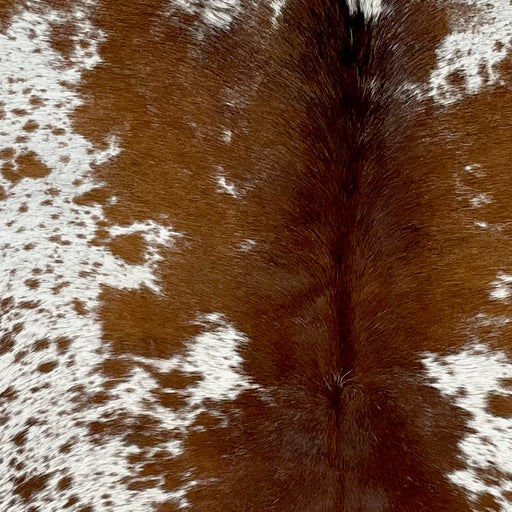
x: 30, y: 166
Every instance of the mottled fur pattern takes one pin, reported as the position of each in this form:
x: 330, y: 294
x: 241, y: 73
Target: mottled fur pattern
x: 255, y: 256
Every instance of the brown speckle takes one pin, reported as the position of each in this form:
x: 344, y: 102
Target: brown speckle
x: 19, y: 111
x: 41, y: 344
x: 6, y: 343
x: 31, y: 126
x: 7, y: 153
x: 79, y: 306
x: 64, y: 483
x: 20, y: 438
x: 32, y: 283
x: 63, y: 344
x: 36, y: 101
x: 47, y: 367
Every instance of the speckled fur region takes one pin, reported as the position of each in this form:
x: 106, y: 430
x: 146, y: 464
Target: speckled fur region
x: 52, y: 270
x: 255, y: 256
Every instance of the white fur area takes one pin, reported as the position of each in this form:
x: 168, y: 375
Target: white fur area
x: 371, y: 9
x: 480, y: 38
x: 470, y: 379
x: 216, y: 14
x: 51, y: 278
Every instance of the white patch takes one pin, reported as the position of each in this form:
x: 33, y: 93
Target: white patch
x: 480, y: 39
x: 47, y: 266
x: 227, y: 135
x: 502, y: 287
x: 217, y: 14
x: 475, y: 169
x: 277, y: 8
x: 369, y: 8
x: 471, y: 378
x: 482, y: 224
x: 247, y: 245
x: 480, y: 200
x: 226, y: 187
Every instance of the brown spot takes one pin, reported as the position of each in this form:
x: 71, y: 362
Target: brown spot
x: 7, y: 304
x: 19, y: 111
x: 47, y: 367
x: 73, y: 500
x: 64, y: 483
x: 29, y: 485
x: 37, y: 101
x: 30, y: 166
x: 20, y: 438
x: 32, y: 283
x: 31, y: 126
x: 171, y: 400
x: 23, y: 208
x: 500, y: 405
x: 3, y: 193
x: 10, y: 173
x: 7, y: 153
x: 80, y: 307
x: 130, y: 248
x: 29, y: 304
x: 29, y: 246
x: 6, y: 343
x: 100, y: 398
x: 9, y: 394
x: 457, y: 80
x: 59, y: 287
x: 42, y: 344
x: 66, y: 447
